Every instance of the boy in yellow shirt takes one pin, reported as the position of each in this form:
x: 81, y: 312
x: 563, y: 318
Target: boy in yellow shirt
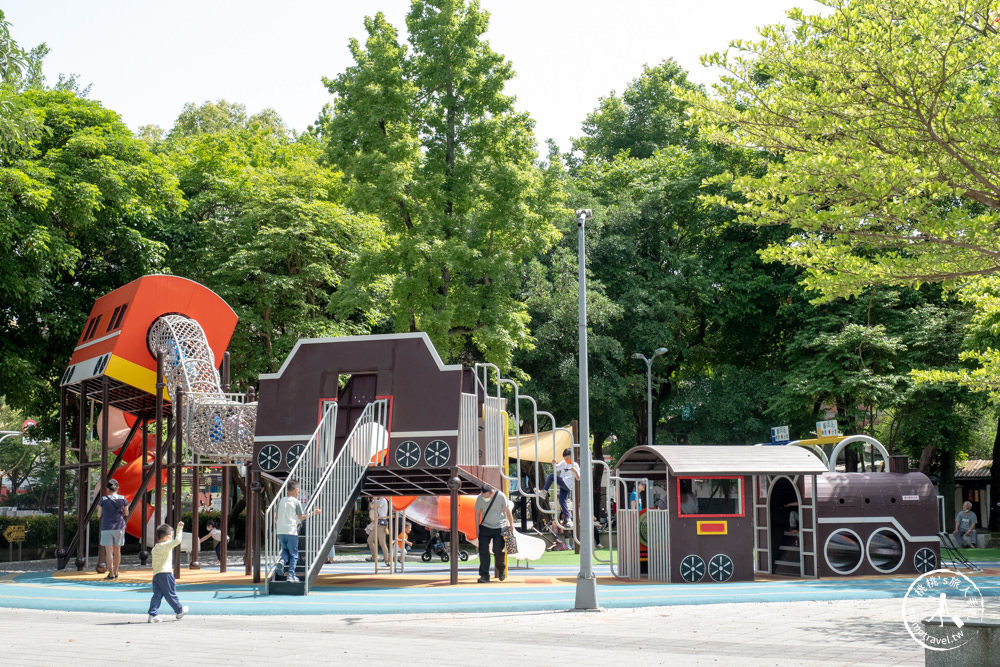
x: 163, y: 572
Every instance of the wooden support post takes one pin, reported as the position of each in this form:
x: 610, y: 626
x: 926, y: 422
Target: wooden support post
x: 158, y: 461
x: 61, y: 557
x: 104, y: 434
x: 224, y: 518
x: 82, y: 474
x: 144, y: 493
x: 454, y: 484
x: 175, y: 413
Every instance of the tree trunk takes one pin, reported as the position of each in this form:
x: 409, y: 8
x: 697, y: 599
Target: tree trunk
x: 994, y: 524
x: 946, y: 487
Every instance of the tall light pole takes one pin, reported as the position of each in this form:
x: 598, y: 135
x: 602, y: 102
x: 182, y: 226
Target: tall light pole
x: 586, y: 583
x: 649, y: 390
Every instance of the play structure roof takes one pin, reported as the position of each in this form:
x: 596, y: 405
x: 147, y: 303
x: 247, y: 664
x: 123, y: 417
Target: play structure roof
x: 723, y: 460
x: 549, y: 449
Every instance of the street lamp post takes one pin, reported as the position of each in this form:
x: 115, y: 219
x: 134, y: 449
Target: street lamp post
x: 649, y: 390
x: 586, y: 582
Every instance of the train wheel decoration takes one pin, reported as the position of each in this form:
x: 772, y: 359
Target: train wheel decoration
x: 692, y: 569
x: 925, y: 560
x: 407, y: 454
x: 293, y: 454
x: 720, y: 567
x: 437, y: 453
x: 269, y: 458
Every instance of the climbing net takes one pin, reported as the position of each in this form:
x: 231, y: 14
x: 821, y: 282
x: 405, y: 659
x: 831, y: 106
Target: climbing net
x: 217, y: 426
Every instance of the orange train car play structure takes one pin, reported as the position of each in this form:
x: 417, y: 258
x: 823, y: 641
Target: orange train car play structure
x: 113, y: 365
x: 113, y: 343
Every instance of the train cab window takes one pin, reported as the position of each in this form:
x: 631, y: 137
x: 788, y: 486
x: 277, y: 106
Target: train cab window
x: 92, y: 327
x: 710, y: 496
x: 116, y: 317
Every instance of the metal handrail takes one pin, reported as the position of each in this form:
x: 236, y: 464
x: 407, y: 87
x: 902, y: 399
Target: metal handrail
x: 365, y: 446
x: 327, y: 479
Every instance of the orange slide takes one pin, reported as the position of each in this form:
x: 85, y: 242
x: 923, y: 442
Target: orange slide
x: 129, y: 474
x: 435, y: 512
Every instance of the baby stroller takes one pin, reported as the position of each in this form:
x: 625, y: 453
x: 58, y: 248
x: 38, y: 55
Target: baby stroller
x: 437, y: 547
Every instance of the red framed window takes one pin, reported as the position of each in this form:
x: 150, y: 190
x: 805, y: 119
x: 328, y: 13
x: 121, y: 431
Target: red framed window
x: 710, y: 497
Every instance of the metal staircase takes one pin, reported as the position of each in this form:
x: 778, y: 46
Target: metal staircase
x: 331, y: 480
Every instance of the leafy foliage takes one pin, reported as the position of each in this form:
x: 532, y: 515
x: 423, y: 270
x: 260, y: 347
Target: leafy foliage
x: 433, y: 146
x: 883, y: 114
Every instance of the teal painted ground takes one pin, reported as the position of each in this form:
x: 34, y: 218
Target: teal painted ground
x: 40, y: 590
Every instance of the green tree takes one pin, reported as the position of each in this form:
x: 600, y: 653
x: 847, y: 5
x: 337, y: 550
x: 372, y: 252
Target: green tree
x: 79, y: 207
x: 883, y: 114
x: 264, y: 227
x: 433, y: 146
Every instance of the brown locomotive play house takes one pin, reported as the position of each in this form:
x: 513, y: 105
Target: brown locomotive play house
x: 733, y: 512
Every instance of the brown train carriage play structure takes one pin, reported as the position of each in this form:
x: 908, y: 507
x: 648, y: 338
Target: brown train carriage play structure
x: 728, y: 516
x: 366, y: 416
x: 148, y: 347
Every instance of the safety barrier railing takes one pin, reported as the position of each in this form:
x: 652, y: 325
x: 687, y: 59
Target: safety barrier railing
x: 468, y: 431
x: 496, y: 438
x: 628, y: 544
x: 657, y: 544
x: 309, y: 470
x: 367, y: 444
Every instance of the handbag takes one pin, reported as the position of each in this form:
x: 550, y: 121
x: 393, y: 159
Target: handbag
x: 510, y: 540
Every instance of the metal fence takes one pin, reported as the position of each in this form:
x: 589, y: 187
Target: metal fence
x: 468, y: 431
x: 628, y: 544
x: 657, y: 536
x: 496, y: 437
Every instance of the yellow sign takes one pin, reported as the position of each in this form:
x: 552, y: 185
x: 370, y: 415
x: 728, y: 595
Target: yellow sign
x: 14, y: 533
x: 713, y: 527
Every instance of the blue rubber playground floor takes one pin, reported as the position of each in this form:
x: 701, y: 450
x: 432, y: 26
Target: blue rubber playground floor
x: 347, y: 589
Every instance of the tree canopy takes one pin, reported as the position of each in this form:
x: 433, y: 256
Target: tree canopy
x: 881, y: 118
x: 432, y: 145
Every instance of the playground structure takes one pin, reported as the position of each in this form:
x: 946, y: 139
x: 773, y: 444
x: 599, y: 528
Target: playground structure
x: 368, y: 416
x: 728, y: 515
x: 148, y: 355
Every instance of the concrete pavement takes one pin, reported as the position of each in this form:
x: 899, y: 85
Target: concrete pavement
x: 830, y: 633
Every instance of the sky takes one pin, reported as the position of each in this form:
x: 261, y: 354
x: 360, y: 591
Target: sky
x: 147, y: 59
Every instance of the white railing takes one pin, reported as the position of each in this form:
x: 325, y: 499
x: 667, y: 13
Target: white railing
x: 496, y: 438
x: 658, y: 544
x: 468, y: 431
x: 312, y: 465
x: 628, y: 544
x: 329, y: 482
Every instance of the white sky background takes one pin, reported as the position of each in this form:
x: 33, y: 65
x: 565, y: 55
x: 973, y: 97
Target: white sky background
x: 147, y: 58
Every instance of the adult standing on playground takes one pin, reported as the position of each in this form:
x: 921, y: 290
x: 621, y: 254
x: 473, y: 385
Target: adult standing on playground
x: 111, y: 511
x: 491, y: 511
x: 965, y: 525
x: 378, y: 512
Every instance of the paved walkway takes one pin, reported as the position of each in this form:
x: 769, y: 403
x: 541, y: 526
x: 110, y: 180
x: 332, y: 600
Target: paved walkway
x: 749, y: 635
x: 417, y: 619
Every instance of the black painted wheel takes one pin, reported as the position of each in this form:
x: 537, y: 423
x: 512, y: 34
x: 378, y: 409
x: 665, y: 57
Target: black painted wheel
x: 445, y: 557
x: 925, y: 560
x: 407, y: 454
x: 692, y: 569
x: 437, y: 453
x: 463, y: 555
x: 269, y: 458
x: 293, y: 454
x: 426, y: 556
x: 720, y: 567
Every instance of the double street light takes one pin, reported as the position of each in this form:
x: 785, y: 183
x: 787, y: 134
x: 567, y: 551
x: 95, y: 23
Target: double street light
x: 649, y: 390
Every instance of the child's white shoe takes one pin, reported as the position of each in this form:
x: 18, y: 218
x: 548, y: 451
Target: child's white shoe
x: 154, y: 619
x: 184, y: 610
